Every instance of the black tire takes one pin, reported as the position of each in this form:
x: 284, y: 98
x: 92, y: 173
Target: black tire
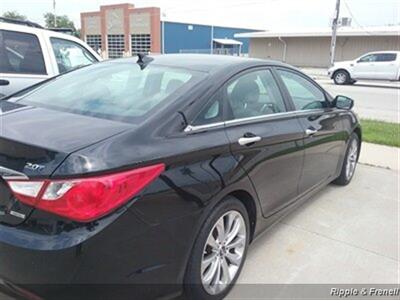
x: 341, y: 77
x: 344, y: 178
x: 193, y: 287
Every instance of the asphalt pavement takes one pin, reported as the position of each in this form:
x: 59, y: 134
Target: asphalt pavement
x: 378, y: 103
x: 374, y: 99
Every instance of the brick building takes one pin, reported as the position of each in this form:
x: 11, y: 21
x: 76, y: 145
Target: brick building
x: 122, y: 30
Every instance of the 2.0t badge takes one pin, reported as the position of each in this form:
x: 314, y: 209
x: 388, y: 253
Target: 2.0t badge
x: 34, y: 167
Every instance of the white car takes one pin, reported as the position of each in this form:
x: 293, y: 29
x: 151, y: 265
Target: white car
x: 382, y: 65
x: 30, y: 54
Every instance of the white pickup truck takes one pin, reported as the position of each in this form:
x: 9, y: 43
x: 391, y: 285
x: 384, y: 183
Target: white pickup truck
x: 29, y: 54
x: 382, y: 65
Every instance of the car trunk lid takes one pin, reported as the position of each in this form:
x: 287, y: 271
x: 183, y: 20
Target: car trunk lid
x: 35, y: 141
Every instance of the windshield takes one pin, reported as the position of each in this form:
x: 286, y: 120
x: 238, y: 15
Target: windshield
x: 116, y: 91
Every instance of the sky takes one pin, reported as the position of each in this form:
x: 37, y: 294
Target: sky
x: 256, y: 14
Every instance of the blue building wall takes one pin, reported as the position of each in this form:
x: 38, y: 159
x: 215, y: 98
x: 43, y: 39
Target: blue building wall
x: 186, y: 36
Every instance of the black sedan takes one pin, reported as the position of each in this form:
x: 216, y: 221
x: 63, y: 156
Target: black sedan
x: 149, y: 177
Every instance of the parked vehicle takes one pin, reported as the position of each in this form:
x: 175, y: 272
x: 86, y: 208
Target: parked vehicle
x: 383, y: 65
x: 160, y: 171
x: 29, y: 54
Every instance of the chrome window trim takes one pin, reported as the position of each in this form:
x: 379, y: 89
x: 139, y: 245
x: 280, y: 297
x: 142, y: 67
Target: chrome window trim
x: 260, y: 118
x: 191, y: 128
x: 242, y: 121
x: 6, y: 173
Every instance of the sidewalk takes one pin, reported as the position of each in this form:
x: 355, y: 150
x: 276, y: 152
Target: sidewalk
x: 380, y: 156
x: 321, y: 75
x: 316, y: 73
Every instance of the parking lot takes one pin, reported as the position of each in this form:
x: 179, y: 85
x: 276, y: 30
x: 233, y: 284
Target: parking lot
x: 343, y: 235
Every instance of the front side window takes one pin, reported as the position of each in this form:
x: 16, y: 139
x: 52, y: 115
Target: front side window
x: 382, y: 57
x: 254, y: 94
x: 70, y: 55
x: 368, y: 58
x: 116, y: 91
x: 304, y: 94
x: 20, y: 53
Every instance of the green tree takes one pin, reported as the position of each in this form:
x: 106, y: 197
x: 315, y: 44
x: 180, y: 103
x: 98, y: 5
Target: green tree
x: 14, y: 15
x: 77, y: 33
x: 61, y: 21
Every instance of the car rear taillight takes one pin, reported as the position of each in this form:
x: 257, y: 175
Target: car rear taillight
x: 85, y: 199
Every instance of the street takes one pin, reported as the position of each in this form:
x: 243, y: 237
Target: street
x: 377, y: 103
x: 343, y: 235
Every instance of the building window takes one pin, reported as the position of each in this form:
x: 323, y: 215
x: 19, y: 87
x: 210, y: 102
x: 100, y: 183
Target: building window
x: 140, y: 43
x: 116, y: 45
x: 94, y: 41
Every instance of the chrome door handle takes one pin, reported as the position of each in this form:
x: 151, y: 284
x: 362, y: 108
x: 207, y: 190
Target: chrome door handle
x: 311, y: 131
x: 243, y: 141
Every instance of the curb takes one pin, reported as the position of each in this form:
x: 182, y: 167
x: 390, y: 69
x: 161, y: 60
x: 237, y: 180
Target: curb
x: 358, y: 83
x: 380, y: 156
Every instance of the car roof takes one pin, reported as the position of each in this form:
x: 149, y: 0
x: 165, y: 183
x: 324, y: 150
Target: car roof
x: 34, y: 30
x: 386, y: 51
x: 202, y: 62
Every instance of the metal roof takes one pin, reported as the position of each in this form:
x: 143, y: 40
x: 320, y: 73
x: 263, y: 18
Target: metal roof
x: 324, y: 32
x: 227, y: 42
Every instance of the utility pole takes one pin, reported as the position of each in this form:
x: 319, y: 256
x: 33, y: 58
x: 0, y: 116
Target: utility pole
x: 54, y: 13
x: 334, y: 30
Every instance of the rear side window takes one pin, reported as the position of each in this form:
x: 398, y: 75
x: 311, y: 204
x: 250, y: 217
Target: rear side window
x: 212, y: 112
x: 70, y: 55
x: 116, y: 91
x: 20, y: 53
x: 304, y: 94
x: 386, y: 57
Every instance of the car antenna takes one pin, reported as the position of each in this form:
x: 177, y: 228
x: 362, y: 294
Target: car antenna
x: 143, y: 60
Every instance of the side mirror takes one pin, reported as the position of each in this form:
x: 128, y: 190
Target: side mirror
x: 343, y: 102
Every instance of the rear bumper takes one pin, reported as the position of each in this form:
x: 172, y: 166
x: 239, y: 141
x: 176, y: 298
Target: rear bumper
x: 123, y: 258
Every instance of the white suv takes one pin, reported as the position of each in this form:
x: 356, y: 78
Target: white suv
x: 30, y: 54
x: 383, y: 65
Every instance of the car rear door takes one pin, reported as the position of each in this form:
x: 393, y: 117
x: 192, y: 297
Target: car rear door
x: 324, y: 136
x: 265, y: 138
x: 22, y: 61
x: 386, y: 66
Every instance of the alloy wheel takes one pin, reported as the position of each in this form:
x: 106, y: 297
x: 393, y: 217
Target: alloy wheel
x: 351, y: 159
x: 223, y: 253
x: 341, y: 78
